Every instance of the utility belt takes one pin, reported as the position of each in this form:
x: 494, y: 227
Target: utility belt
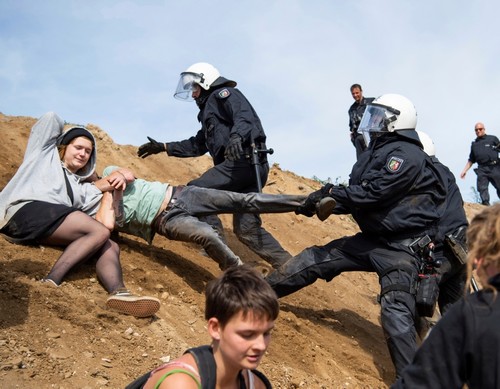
x: 428, y: 277
x: 427, y: 283
x: 416, y: 245
x: 457, y: 243
x: 455, y: 240
x: 261, y: 156
x: 489, y: 163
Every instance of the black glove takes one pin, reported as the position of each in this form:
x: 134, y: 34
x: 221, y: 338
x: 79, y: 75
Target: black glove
x: 309, y: 207
x: 150, y: 148
x: 233, y: 149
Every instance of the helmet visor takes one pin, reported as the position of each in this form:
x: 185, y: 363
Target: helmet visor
x: 186, y: 84
x: 373, y: 121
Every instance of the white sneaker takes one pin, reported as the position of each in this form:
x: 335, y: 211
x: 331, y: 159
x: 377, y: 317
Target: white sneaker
x: 48, y: 281
x: 139, y: 306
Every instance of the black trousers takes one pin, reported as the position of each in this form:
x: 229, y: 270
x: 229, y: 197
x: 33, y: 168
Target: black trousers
x: 486, y: 175
x: 397, y: 268
x: 240, y: 176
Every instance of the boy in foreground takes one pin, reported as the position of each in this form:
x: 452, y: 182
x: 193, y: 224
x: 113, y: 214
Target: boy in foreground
x: 240, y: 310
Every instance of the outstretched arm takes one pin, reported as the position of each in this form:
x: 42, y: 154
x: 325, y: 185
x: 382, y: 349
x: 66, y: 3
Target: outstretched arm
x: 150, y: 148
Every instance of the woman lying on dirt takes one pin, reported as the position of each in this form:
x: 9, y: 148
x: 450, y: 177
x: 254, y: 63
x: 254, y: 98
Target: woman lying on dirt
x: 145, y: 208
x: 48, y: 201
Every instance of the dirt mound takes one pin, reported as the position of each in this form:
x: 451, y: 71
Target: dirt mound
x: 327, y: 336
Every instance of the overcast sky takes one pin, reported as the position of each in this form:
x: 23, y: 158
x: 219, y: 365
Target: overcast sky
x: 116, y: 64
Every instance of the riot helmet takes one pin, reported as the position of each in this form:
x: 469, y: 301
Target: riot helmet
x: 200, y: 74
x: 389, y: 113
x: 427, y: 143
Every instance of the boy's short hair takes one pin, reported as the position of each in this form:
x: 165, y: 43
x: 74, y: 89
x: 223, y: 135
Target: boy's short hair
x: 240, y: 289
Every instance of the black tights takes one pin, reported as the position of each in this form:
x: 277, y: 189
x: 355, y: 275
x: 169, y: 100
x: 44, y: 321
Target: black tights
x: 84, y: 238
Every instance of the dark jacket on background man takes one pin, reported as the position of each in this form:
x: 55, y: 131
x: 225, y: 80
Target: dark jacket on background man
x: 356, y: 111
x: 484, y: 150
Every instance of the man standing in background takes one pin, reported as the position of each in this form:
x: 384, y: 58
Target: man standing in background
x: 484, y: 152
x: 355, y: 114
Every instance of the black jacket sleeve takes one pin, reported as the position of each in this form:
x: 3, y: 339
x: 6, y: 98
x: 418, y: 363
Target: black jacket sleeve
x: 192, y: 147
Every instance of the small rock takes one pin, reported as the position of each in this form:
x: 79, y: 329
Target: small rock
x: 165, y: 359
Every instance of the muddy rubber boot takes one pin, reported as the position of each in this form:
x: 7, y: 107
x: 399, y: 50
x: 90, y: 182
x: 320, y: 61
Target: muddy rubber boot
x: 227, y: 264
x: 325, y: 207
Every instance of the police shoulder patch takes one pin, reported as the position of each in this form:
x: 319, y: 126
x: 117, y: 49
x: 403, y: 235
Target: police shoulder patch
x: 224, y: 93
x: 394, y: 164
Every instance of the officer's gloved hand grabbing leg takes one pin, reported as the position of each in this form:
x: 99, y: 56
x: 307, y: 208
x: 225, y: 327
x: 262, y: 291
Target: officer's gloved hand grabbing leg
x: 318, y: 203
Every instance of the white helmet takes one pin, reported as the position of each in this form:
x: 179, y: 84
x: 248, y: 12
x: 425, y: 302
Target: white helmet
x: 202, y: 74
x: 427, y: 143
x: 388, y: 113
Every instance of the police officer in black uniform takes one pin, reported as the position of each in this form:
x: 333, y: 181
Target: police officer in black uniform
x: 355, y: 112
x: 230, y: 128
x: 405, y: 204
x: 484, y: 152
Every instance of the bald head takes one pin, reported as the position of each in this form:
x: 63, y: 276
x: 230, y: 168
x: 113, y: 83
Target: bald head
x: 479, y: 129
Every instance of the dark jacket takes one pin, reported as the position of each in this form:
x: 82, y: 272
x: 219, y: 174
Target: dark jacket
x: 396, y: 191
x: 225, y: 112
x: 454, y: 216
x: 463, y: 348
x: 356, y: 111
x: 484, y: 150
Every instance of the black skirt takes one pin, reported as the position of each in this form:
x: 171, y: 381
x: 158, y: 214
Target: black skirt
x: 34, y: 221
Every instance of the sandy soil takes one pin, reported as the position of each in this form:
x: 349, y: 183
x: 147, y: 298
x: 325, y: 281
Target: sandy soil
x: 328, y: 335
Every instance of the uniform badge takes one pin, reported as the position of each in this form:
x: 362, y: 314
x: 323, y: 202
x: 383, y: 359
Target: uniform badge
x: 394, y: 164
x: 224, y: 93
